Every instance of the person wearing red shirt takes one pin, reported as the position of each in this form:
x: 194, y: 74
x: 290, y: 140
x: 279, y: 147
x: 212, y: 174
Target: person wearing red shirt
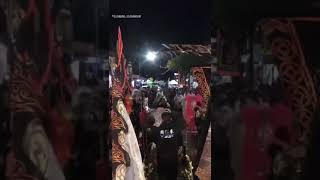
x: 255, y: 163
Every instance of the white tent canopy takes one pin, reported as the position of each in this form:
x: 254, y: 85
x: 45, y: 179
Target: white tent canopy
x: 173, y: 82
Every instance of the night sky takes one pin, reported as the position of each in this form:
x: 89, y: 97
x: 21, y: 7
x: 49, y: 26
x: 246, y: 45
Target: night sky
x: 168, y: 21
x: 162, y: 21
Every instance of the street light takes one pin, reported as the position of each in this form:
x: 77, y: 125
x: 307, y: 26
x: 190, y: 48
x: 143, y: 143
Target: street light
x: 151, y: 55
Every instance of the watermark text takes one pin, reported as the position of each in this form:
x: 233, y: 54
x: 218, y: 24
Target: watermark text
x: 126, y: 16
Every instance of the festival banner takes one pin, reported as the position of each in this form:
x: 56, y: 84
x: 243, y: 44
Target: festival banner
x: 31, y: 154
x: 126, y: 156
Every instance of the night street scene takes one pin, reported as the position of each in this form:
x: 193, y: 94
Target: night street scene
x: 137, y: 89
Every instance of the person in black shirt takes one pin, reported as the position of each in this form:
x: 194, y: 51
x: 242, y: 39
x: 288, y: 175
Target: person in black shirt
x: 168, y: 139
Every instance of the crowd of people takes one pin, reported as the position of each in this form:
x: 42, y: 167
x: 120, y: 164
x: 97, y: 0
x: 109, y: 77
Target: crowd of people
x: 254, y: 133
x: 162, y: 119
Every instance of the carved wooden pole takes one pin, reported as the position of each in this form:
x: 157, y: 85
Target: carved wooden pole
x: 281, y: 37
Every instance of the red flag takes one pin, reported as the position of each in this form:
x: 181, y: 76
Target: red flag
x: 119, y: 46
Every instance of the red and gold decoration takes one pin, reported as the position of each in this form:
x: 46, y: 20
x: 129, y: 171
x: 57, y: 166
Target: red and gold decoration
x: 32, y: 154
x: 200, y: 76
x: 126, y: 156
x: 281, y: 37
x: 120, y: 158
x: 298, y: 79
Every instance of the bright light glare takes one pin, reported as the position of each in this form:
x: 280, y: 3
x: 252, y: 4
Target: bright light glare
x: 151, y: 56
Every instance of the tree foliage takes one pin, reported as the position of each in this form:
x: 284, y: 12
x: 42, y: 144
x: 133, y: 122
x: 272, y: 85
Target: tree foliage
x: 185, y: 62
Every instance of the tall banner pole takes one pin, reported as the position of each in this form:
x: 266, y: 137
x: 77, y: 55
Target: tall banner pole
x: 126, y: 157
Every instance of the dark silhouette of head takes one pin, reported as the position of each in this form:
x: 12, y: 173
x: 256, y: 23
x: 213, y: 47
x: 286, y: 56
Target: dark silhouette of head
x: 167, y: 116
x: 277, y: 95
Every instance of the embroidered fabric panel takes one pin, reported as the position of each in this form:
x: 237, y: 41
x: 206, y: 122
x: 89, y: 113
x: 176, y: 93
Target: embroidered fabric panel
x: 281, y: 37
x: 31, y: 156
x: 126, y: 156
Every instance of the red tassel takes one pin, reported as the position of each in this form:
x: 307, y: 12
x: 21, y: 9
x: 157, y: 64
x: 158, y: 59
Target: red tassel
x: 120, y: 47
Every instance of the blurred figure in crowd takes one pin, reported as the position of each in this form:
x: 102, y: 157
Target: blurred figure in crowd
x: 281, y: 123
x: 254, y: 165
x: 168, y: 139
x: 161, y: 106
x: 221, y: 147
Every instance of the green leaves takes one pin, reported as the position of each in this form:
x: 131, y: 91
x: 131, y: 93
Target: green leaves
x: 185, y: 62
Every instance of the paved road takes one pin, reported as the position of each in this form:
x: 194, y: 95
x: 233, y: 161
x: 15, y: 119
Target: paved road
x: 204, y: 168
